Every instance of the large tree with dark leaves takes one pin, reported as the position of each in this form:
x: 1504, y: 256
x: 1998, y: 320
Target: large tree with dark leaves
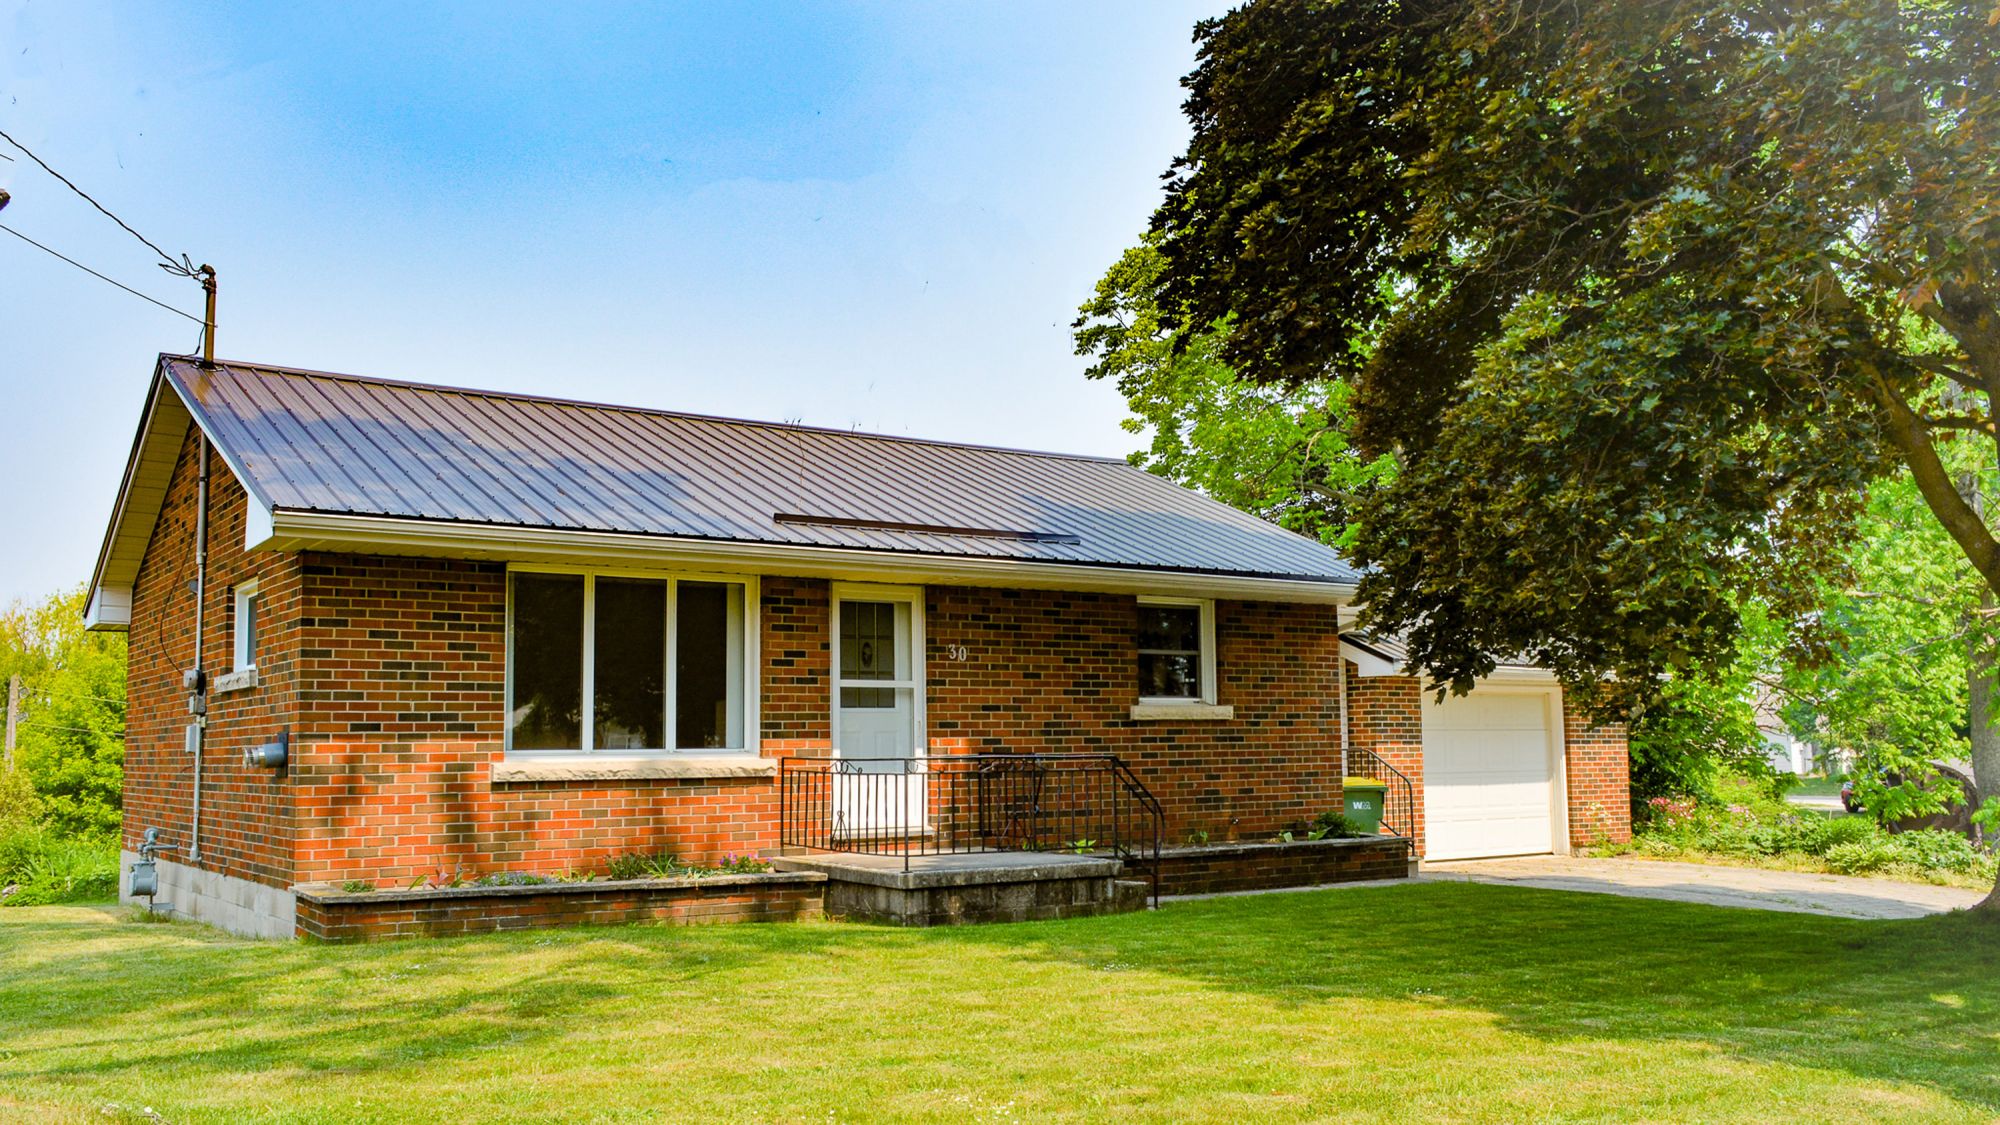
x: 1641, y: 295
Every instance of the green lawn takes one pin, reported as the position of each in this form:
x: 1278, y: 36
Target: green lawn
x: 1817, y: 787
x: 1413, y: 1002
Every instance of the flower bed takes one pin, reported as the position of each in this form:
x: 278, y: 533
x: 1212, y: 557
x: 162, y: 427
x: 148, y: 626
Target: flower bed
x: 1750, y: 827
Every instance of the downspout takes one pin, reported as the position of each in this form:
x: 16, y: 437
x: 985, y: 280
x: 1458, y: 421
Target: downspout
x: 198, y: 703
x: 1340, y: 662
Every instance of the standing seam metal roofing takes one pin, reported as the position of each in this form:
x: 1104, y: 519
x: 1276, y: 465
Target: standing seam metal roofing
x: 321, y: 442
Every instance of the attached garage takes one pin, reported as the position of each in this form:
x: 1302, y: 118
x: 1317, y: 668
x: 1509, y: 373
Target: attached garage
x: 1490, y: 772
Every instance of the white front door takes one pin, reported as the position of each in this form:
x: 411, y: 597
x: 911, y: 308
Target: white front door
x: 878, y: 786
x: 1489, y: 774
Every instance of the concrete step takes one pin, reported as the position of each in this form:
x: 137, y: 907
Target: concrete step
x: 950, y: 890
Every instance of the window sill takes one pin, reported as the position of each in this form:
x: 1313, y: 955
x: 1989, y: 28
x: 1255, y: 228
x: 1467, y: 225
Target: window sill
x: 663, y: 768
x: 236, y: 681
x: 1182, y: 712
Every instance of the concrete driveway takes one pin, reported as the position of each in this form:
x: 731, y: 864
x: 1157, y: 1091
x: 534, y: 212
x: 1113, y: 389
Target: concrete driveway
x: 1841, y: 896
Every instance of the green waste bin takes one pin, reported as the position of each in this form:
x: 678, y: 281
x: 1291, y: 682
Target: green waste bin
x: 1364, y: 797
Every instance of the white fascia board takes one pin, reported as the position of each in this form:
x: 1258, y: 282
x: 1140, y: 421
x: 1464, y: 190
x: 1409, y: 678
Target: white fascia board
x: 1519, y: 674
x: 258, y: 526
x: 309, y: 531
x: 109, y: 609
x: 1367, y: 663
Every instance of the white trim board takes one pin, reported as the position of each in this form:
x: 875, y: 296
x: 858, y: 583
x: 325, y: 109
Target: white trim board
x: 445, y: 539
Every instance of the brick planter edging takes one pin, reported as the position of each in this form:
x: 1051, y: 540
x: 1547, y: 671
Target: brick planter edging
x: 329, y: 913
x: 1273, y: 864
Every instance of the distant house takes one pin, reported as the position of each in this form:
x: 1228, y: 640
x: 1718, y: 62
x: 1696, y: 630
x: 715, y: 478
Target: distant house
x: 471, y: 633
x: 1787, y: 752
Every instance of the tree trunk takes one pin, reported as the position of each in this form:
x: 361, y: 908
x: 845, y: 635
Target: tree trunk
x: 1981, y: 697
x: 1985, y: 739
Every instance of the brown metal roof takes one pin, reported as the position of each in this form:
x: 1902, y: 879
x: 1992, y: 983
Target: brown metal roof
x: 320, y: 442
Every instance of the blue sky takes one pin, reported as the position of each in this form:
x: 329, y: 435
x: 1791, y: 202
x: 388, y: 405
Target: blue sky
x: 869, y: 215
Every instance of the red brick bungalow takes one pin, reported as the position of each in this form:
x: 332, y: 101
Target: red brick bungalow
x: 470, y: 632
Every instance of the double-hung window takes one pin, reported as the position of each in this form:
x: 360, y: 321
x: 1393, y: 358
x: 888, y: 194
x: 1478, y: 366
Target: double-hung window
x: 1176, y: 651
x: 615, y: 663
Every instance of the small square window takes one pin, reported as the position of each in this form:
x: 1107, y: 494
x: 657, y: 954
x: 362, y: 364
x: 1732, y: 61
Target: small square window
x: 244, y: 627
x: 1176, y: 651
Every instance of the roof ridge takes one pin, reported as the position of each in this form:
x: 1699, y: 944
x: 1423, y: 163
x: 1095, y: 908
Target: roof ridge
x: 650, y: 411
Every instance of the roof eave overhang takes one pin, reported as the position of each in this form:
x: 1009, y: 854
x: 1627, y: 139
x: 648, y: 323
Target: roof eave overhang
x: 108, y: 605
x: 294, y: 530
x: 1370, y: 662
x: 149, y: 469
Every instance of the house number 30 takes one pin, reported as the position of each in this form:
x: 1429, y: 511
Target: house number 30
x: 957, y: 652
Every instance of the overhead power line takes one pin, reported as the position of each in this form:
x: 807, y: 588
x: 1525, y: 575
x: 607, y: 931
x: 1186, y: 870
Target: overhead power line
x: 95, y: 274
x: 183, y: 266
x: 58, y: 726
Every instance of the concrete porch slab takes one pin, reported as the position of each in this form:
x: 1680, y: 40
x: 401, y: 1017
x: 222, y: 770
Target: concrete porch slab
x: 966, y: 869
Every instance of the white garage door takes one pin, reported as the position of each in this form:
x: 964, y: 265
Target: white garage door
x: 1489, y: 775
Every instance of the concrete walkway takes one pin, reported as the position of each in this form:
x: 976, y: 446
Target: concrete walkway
x: 1841, y: 896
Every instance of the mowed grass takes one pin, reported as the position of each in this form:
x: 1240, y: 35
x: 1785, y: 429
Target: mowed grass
x: 1411, y: 1002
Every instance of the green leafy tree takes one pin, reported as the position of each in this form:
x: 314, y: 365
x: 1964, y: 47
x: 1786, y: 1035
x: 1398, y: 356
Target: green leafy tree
x: 1654, y: 292
x: 1910, y: 627
x: 72, y: 723
x: 1705, y: 722
x: 1277, y: 450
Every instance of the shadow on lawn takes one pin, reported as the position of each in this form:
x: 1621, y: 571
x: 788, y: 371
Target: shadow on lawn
x: 233, y: 1005
x: 1905, y: 1001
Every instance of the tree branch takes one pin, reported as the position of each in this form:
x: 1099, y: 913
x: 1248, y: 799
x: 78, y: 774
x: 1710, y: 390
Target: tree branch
x: 1957, y: 422
x: 1907, y: 432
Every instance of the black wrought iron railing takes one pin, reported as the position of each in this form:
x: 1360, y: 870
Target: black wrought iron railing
x: 959, y: 803
x: 1399, y: 802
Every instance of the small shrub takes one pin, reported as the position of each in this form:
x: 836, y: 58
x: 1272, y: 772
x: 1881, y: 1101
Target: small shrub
x: 1861, y: 857
x: 19, y: 806
x: 358, y: 886
x: 1850, y: 830
x: 669, y: 866
x: 1933, y: 849
x: 632, y: 866
x: 510, y: 879
x: 1333, y: 822
x: 742, y: 865
x: 38, y: 867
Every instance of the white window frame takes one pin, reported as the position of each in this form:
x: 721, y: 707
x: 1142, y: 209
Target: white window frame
x: 243, y: 654
x: 1208, y: 695
x: 750, y: 670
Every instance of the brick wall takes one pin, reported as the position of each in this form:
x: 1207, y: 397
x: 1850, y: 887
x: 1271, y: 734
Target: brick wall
x: 1600, y: 781
x: 1386, y: 717
x: 246, y: 828
x: 372, y: 917
x: 1059, y: 672
x: 1271, y: 866
x: 402, y: 685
